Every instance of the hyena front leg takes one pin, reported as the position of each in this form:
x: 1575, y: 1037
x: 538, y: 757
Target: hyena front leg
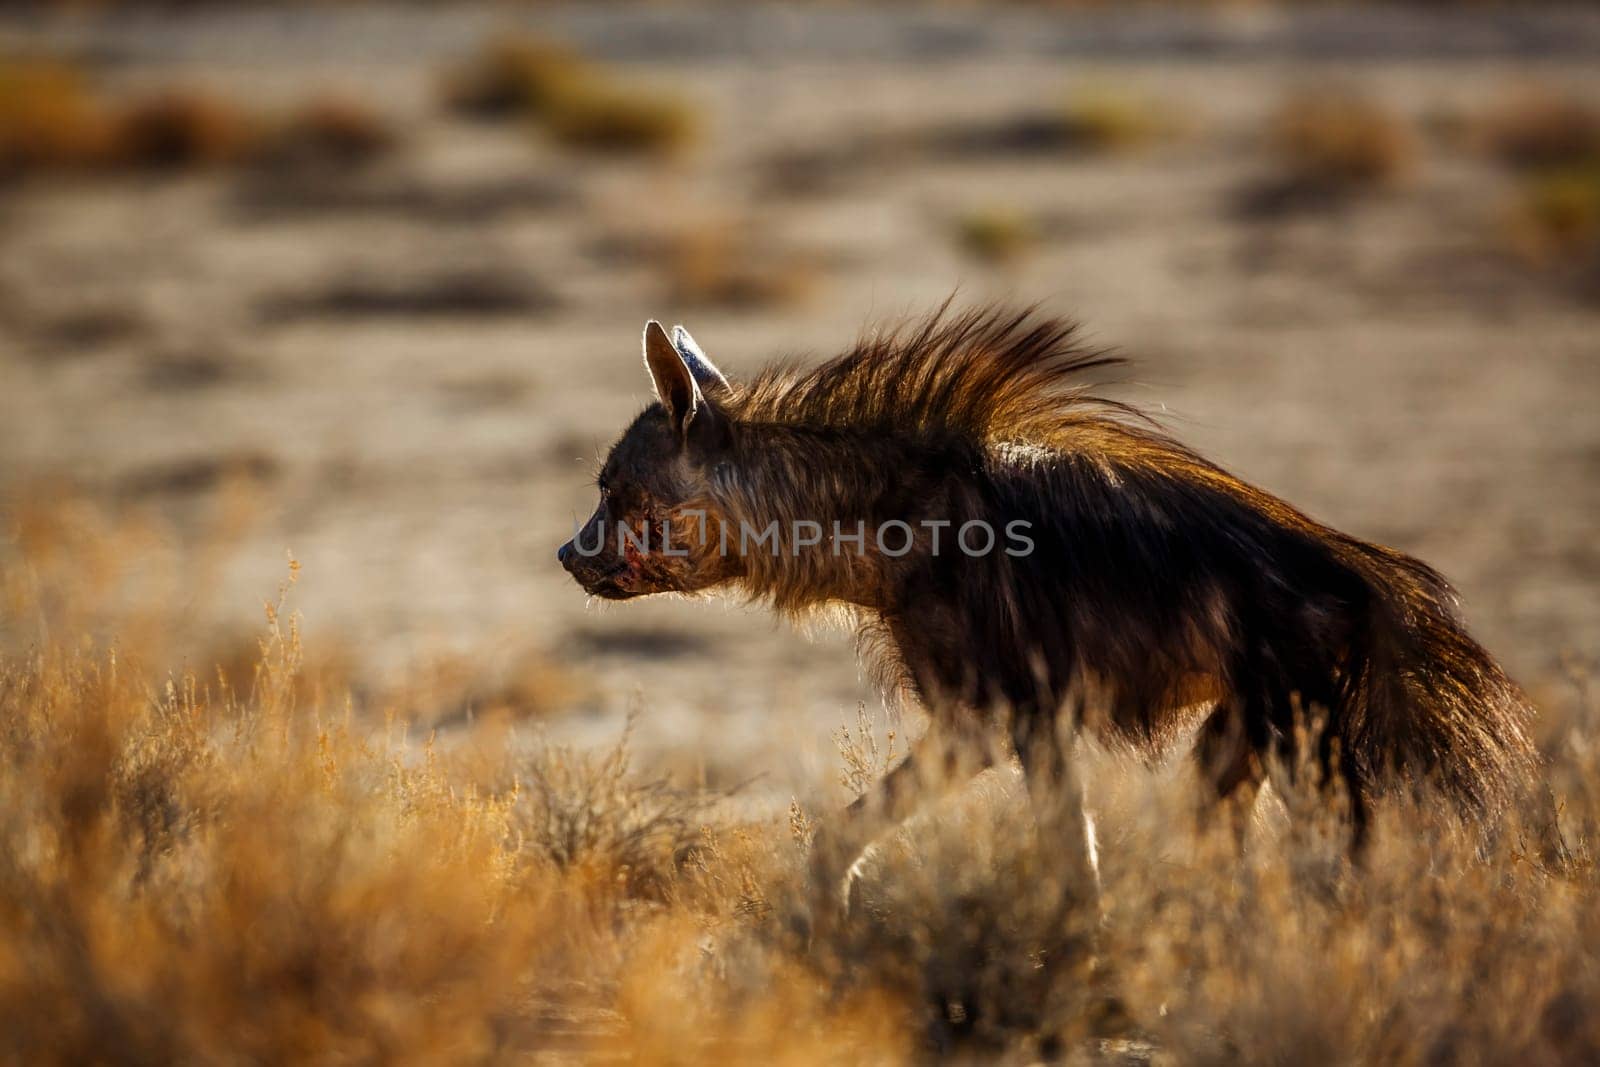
x: 1063, y: 868
x: 940, y: 760
x: 1063, y: 823
x: 1230, y: 766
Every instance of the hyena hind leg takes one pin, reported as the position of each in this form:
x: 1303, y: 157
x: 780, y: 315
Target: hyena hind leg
x: 1233, y: 766
x: 1231, y: 771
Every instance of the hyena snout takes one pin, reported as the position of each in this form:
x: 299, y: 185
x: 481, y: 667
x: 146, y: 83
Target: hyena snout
x: 596, y: 577
x: 599, y: 570
x: 585, y: 567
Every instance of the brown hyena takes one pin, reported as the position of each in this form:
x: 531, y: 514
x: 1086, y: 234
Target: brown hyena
x: 1121, y: 577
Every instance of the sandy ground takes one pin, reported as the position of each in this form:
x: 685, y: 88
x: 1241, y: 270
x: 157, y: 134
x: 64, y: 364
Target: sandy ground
x: 1386, y: 366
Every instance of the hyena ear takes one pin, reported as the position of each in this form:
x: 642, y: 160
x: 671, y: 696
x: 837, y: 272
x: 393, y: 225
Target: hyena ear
x: 705, y: 372
x: 677, y: 387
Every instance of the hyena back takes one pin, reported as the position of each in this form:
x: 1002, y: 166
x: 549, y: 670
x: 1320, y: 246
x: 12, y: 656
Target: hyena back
x: 1150, y: 579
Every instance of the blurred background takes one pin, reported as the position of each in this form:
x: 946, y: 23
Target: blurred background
x: 364, y: 284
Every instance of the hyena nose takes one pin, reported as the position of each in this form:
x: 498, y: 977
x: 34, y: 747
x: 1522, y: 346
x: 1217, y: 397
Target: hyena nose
x: 564, y: 554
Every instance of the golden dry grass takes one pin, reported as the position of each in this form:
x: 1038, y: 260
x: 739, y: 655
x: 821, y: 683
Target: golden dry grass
x: 1339, y: 140
x: 1106, y: 119
x: 718, y: 264
x: 329, y: 130
x: 1551, y: 142
x: 511, y: 77
x: 996, y: 235
x: 578, y: 104
x: 49, y: 119
x: 1542, y: 129
x: 1556, y: 217
x: 606, y: 118
x: 704, y: 258
x: 232, y: 866
x: 52, y: 120
x: 183, y: 128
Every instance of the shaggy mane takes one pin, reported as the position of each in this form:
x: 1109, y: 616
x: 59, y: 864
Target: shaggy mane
x: 988, y: 375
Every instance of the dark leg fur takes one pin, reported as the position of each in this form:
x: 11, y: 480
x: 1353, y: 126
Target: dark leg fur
x: 1260, y: 724
x: 1230, y: 770
x: 1056, y: 797
x: 1063, y: 865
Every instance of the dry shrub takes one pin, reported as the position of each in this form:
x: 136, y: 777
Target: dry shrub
x: 236, y: 663
x: 864, y: 759
x: 589, y: 812
x: 328, y: 131
x: 49, y: 120
x: 1295, y: 958
x: 194, y: 871
x: 1556, y: 217
x: 443, y: 293
x: 986, y: 942
x: 516, y: 77
x: 577, y: 103
x: 1089, y: 121
x: 1338, y: 141
x: 613, y: 119
x: 183, y: 128
x: 187, y: 876
x: 1552, y: 142
x: 996, y: 235
x: 747, y: 1004
x: 1544, y: 130
x: 726, y: 264
x: 1110, y: 120
x: 1196, y: 954
x: 85, y: 323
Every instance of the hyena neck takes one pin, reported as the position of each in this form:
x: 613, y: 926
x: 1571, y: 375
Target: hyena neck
x: 848, y: 508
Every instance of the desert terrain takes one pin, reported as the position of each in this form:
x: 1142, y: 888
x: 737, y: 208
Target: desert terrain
x: 1385, y: 364
x: 403, y: 368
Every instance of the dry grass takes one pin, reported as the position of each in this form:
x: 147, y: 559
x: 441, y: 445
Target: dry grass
x: 1337, y: 140
x: 1551, y: 142
x: 51, y: 121
x: 1104, y: 119
x: 1556, y: 218
x: 205, y: 866
x: 229, y: 866
x: 1088, y: 121
x: 727, y: 263
x: 1544, y: 130
x: 614, y: 119
x: 996, y: 235
x: 329, y: 131
x: 577, y: 103
x: 182, y: 129
x: 514, y: 77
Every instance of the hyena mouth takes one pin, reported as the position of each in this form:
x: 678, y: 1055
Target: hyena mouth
x: 609, y: 585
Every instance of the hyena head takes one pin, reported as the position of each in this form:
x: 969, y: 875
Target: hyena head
x: 658, y: 527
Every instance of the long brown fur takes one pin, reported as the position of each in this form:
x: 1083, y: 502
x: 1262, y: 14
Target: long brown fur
x: 1157, y: 577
